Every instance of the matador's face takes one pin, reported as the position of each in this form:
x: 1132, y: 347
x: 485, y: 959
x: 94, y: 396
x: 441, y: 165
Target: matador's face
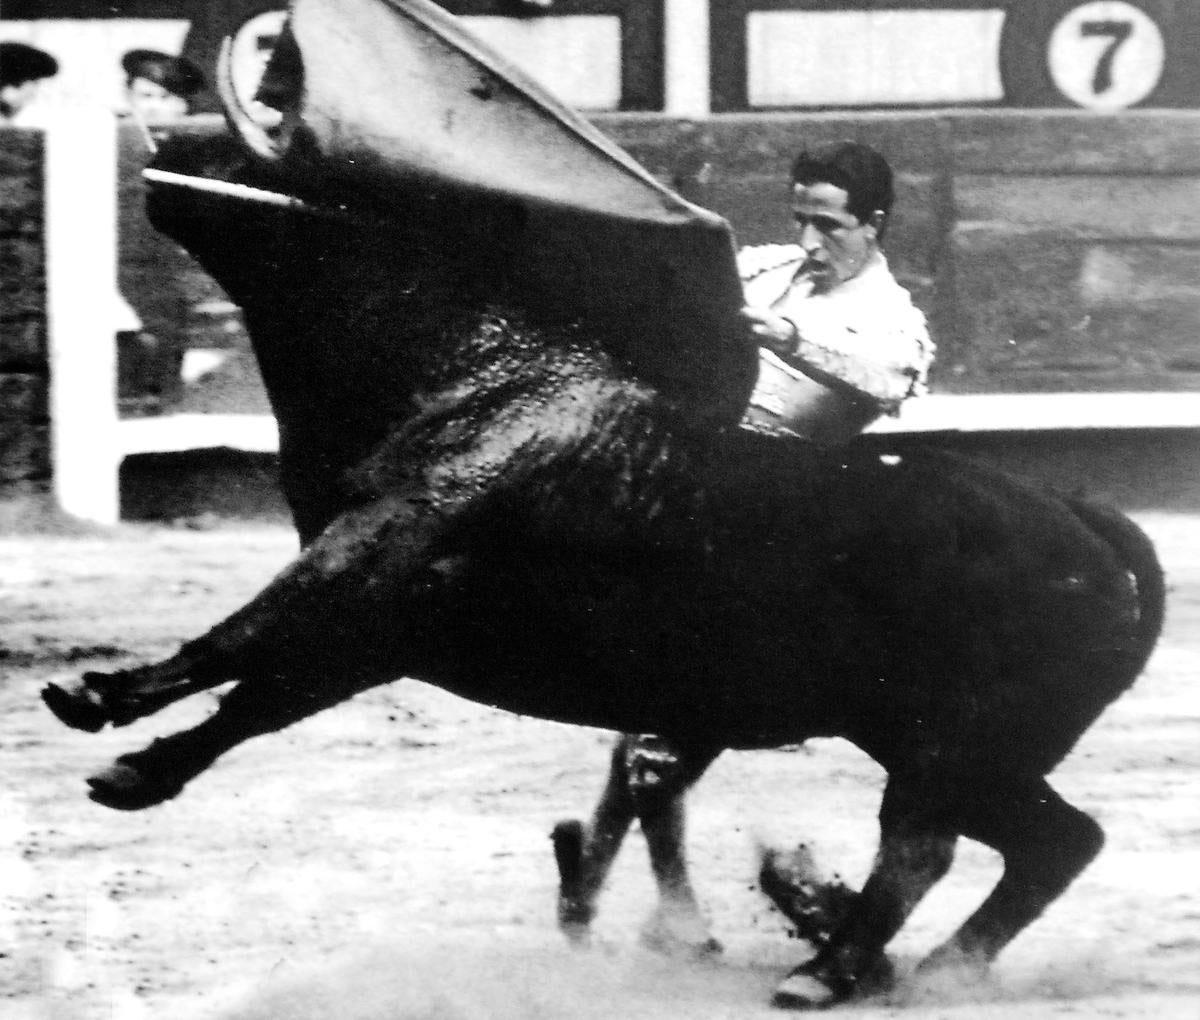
x: 836, y: 242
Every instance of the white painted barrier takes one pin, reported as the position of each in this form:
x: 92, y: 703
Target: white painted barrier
x: 965, y: 413
x: 1044, y: 412
x: 177, y: 433
x: 81, y: 310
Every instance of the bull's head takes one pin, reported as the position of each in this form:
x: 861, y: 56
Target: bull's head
x: 445, y: 164
x: 392, y: 97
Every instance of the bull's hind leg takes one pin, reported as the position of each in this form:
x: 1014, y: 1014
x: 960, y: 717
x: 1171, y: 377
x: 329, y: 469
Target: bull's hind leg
x: 98, y: 699
x: 916, y: 849
x: 585, y: 853
x: 648, y: 779
x: 1045, y: 843
x: 161, y: 770
x: 366, y: 555
x: 659, y: 778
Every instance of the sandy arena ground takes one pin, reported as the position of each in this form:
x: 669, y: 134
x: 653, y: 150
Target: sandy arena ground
x: 389, y: 859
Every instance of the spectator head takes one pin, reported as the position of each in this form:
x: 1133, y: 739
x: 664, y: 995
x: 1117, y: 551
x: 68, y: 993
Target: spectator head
x: 22, y: 69
x: 158, y: 86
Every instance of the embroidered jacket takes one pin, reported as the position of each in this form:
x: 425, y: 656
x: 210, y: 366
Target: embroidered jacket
x: 864, y: 339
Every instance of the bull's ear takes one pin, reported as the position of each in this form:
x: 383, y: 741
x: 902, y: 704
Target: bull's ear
x: 265, y: 128
x: 282, y: 85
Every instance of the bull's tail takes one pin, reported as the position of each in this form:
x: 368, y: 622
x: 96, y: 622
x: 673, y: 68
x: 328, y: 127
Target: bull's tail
x: 1137, y: 553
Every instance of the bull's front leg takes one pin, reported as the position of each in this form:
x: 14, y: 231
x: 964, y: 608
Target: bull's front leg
x: 648, y: 779
x: 382, y: 547
x: 915, y: 850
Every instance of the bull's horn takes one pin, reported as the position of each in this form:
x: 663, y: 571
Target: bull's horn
x: 239, y: 118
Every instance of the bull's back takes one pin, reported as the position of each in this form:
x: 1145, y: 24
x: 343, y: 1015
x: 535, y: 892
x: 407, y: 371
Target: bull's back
x: 997, y: 618
x: 768, y: 591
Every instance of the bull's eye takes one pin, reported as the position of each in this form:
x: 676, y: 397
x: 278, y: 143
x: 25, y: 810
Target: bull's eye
x: 1070, y: 583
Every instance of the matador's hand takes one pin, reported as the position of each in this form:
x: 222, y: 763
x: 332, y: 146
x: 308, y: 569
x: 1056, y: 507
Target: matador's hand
x: 766, y: 329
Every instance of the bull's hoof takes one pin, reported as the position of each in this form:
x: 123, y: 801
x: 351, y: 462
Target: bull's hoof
x: 951, y: 966
x: 663, y: 940
x: 806, y: 991
x: 124, y: 787
x: 575, y: 912
x: 77, y: 706
x: 793, y: 882
x: 815, y: 985
x: 567, y: 838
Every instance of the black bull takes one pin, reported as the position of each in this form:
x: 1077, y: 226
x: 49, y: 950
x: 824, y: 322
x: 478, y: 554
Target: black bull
x: 537, y: 502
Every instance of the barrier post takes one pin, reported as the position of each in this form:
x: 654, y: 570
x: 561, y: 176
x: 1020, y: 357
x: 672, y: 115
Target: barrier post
x: 686, y: 58
x: 81, y: 288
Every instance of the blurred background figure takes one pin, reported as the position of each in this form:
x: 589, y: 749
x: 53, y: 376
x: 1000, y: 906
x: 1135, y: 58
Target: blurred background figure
x: 22, y: 70
x: 158, y: 86
x: 152, y: 327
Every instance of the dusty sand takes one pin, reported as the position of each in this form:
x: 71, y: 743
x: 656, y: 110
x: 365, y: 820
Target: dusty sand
x: 390, y: 859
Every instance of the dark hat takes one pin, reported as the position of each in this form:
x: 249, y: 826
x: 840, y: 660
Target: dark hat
x: 175, y: 74
x: 21, y: 63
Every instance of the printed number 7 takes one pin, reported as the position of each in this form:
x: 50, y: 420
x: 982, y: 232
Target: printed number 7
x: 1118, y: 32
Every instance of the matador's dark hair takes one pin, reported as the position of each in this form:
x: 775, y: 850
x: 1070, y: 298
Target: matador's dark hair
x: 860, y: 170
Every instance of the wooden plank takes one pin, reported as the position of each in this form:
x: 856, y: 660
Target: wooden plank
x: 23, y: 397
x: 768, y: 142
x: 22, y: 276
x: 1033, y: 311
x: 22, y: 255
x: 1137, y: 142
x: 24, y: 451
x: 1100, y: 207
x: 20, y: 181
x: 1141, y: 275
x: 23, y: 341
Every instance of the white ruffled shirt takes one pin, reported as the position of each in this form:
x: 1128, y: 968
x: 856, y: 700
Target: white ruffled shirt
x: 865, y: 332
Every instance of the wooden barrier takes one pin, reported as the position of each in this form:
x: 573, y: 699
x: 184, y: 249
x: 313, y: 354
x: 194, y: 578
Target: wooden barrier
x: 1056, y: 253
x: 24, y: 365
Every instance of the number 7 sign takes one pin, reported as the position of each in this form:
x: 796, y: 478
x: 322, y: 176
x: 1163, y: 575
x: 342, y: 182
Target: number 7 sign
x: 1117, y: 32
x: 1106, y: 55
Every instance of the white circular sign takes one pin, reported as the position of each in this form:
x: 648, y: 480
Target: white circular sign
x: 1106, y: 55
x: 253, y: 44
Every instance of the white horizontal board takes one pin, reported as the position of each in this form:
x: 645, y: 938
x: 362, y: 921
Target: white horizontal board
x: 1036, y: 412
x: 576, y: 56
x: 873, y: 58
x: 966, y: 412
